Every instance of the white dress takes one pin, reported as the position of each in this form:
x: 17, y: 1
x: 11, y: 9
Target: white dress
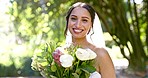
x: 95, y: 75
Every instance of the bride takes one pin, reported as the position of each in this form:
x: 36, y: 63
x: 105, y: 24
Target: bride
x: 83, y: 28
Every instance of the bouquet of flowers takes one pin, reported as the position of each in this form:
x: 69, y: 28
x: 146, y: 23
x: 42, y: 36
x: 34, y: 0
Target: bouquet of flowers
x: 64, y: 62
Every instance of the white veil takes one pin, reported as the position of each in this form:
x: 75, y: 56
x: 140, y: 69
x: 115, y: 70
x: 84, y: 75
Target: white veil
x: 95, y: 35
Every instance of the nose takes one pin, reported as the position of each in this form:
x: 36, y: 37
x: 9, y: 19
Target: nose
x: 78, y: 24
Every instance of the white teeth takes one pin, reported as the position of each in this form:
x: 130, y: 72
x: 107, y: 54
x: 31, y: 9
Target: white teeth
x: 77, y: 30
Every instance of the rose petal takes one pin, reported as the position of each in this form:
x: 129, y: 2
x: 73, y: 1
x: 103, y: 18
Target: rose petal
x: 82, y: 54
x: 66, y: 60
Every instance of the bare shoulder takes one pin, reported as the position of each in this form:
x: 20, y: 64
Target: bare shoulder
x: 101, y: 53
x: 105, y: 64
x: 103, y: 56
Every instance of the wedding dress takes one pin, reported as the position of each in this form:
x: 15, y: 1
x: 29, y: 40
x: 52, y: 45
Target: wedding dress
x: 95, y: 75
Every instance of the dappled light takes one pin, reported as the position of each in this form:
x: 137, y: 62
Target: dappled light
x: 27, y: 25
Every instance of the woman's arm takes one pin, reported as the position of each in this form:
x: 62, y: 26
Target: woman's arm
x: 106, y: 67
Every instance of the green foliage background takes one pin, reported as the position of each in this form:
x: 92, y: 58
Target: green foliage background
x: 36, y: 22
x: 33, y: 23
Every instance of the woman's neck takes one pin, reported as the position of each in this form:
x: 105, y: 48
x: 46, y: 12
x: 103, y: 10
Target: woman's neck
x: 82, y: 42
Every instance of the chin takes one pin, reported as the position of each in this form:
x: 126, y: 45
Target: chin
x: 78, y: 36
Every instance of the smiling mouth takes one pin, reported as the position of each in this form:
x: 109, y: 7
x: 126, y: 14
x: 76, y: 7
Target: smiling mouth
x: 77, y: 30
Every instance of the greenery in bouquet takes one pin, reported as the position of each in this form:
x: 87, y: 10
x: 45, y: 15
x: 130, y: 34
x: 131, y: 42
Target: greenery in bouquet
x: 66, y: 61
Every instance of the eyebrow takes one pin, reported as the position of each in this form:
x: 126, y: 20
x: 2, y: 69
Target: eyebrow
x: 82, y: 17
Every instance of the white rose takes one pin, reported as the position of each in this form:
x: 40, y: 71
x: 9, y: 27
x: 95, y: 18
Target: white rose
x: 82, y: 54
x: 85, y: 54
x: 92, y: 54
x: 66, y: 60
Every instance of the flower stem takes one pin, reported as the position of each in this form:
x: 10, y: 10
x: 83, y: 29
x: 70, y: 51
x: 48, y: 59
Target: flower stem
x: 78, y: 63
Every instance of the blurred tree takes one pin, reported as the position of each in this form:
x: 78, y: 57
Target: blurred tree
x: 36, y: 22
x: 127, y: 23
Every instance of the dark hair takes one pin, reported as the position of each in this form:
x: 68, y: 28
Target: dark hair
x: 83, y: 5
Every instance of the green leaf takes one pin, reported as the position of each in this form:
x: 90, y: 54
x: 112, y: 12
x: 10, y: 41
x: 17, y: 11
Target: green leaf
x: 53, y: 68
x: 88, y: 69
x: 78, y: 71
x: 75, y: 75
x: 44, y: 63
x: 51, y: 76
x: 82, y: 75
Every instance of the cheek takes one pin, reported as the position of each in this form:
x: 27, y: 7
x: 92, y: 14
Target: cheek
x: 88, y: 30
x: 87, y: 26
x: 70, y: 24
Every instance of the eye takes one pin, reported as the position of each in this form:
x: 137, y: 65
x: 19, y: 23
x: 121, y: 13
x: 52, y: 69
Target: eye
x: 84, y: 20
x: 73, y: 19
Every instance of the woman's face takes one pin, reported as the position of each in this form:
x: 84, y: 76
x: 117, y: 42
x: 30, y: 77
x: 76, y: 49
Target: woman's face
x: 79, y: 22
